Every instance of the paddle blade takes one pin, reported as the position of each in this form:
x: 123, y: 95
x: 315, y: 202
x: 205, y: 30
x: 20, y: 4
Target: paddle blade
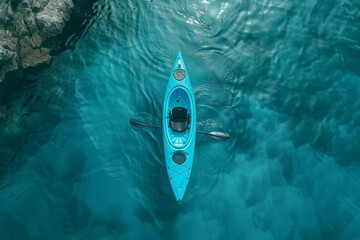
x: 137, y: 123
x: 219, y: 135
x: 143, y: 120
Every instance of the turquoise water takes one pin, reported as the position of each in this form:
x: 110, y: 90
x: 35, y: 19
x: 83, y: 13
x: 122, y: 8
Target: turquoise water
x: 281, y: 77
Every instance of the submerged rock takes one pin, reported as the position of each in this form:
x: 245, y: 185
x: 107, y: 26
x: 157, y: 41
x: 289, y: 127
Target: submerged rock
x: 3, y: 112
x: 25, y: 45
x: 24, y: 26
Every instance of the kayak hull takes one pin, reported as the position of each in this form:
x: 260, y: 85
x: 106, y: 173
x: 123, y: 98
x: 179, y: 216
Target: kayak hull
x: 179, y: 147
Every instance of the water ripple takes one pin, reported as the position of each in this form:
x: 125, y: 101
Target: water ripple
x: 281, y: 77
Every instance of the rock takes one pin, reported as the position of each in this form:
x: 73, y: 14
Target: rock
x: 3, y: 11
x: 8, y: 41
x: 51, y: 20
x: 36, y: 39
x: 49, y: 26
x: 24, y: 26
x: 29, y: 20
x: 5, y: 55
x: 25, y: 4
x: 30, y: 53
x: 36, y: 58
x: 37, y: 6
x: 25, y: 46
x: 7, y: 59
x: 19, y: 28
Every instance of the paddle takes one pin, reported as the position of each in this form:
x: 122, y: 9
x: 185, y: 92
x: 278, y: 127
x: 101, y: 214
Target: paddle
x: 216, y: 135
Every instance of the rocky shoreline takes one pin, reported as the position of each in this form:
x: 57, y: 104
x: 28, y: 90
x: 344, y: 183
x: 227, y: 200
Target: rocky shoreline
x: 26, y: 30
x: 31, y: 32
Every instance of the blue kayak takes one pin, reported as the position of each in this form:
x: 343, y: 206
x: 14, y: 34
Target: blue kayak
x: 179, y: 128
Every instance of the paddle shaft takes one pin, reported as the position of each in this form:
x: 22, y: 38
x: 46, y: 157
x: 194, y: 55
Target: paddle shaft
x: 142, y: 124
x: 223, y: 135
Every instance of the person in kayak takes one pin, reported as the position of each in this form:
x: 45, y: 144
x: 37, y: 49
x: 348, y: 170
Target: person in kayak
x: 179, y: 119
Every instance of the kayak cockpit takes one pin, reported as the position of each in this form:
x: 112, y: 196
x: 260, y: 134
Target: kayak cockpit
x: 179, y: 119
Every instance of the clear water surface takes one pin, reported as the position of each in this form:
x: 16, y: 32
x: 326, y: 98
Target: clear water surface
x: 281, y: 76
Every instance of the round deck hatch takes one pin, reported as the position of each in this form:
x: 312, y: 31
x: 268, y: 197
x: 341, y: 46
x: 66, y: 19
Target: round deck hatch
x: 179, y: 157
x: 179, y: 74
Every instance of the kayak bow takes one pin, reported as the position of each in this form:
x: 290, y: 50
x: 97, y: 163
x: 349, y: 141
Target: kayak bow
x: 179, y: 128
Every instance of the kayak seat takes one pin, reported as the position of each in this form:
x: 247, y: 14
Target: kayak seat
x: 179, y: 119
